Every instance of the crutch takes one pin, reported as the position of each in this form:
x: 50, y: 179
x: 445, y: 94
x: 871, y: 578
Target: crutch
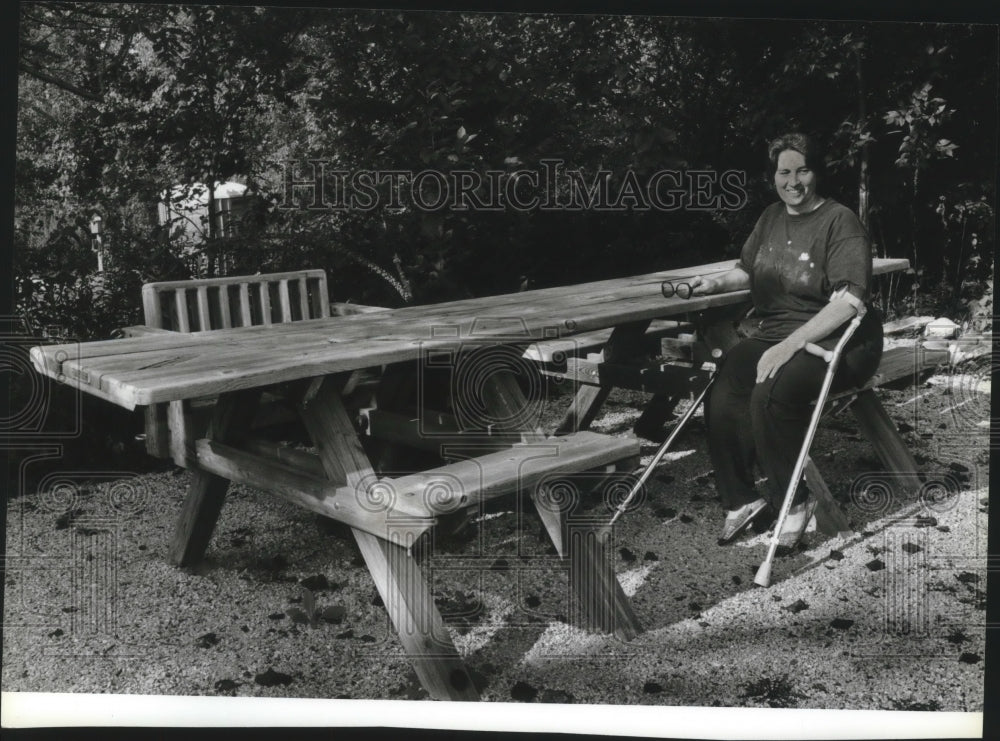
x: 832, y: 357
x: 662, y: 451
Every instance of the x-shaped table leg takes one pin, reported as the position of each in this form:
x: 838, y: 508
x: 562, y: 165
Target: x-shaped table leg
x: 231, y: 417
x: 397, y: 576
x: 601, y: 603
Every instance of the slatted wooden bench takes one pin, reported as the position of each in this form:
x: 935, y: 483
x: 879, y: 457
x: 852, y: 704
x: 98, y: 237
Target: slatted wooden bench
x: 205, y: 304
x: 236, y: 301
x: 411, y: 502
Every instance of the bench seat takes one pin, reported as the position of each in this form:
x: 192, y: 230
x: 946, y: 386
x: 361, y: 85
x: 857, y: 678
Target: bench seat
x: 412, y: 502
x: 521, y: 467
x: 903, y: 362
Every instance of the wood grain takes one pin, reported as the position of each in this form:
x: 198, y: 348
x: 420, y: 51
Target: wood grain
x: 163, y: 368
x: 203, y: 503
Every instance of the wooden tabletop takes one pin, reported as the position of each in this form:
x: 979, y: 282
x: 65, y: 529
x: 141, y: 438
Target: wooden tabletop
x: 172, y: 366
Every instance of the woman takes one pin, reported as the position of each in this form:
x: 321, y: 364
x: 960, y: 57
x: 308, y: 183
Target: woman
x: 808, y: 266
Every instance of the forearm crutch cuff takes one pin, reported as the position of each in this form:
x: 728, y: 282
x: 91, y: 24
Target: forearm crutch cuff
x: 842, y: 294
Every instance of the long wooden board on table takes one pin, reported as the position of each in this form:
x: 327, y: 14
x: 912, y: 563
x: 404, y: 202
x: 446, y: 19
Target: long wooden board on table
x: 433, y: 316
x: 473, y: 318
x: 463, y: 306
x: 157, y: 368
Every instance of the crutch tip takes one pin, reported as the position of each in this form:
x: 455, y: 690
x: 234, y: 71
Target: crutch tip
x: 763, y: 577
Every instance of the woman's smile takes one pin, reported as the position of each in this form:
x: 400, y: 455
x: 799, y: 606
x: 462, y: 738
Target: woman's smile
x: 795, y: 182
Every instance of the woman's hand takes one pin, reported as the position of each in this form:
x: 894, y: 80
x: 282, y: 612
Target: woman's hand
x: 773, y: 358
x: 734, y: 279
x: 702, y: 286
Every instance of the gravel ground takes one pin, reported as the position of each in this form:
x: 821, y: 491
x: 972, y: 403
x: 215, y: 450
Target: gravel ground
x: 891, y: 618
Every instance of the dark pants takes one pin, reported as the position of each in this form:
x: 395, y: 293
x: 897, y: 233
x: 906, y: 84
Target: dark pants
x: 766, y: 423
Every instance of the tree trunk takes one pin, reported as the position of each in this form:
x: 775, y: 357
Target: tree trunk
x: 913, y: 219
x: 916, y: 236
x: 212, y: 231
x: 863, y: 212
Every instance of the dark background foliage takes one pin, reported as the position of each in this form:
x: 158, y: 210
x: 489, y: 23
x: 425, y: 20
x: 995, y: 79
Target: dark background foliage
x: 120, y: 102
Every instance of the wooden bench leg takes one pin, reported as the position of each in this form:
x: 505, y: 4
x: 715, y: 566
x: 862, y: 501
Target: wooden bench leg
x: 581, y: 413
x: 601, y: 602
x: 200, y: 512
x: 397, y: 576
x: 157, y: 432
x: 182, y: 433
x: 625, y: 344
x: 830, y: 518
x: 892, y: 452
x: 880, y: 431
x: 231, y: 419
x: 654, y: 416
x: 418, y: 623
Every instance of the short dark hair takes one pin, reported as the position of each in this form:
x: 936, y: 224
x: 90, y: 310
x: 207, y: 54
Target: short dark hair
x: 805, y: 145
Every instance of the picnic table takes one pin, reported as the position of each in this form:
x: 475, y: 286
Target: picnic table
x: 480, y: 420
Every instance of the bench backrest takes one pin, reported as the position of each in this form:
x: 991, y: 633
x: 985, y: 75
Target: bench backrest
x: 235, y: 301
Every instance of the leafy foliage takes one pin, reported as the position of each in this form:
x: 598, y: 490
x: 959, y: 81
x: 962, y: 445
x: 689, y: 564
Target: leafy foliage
x: 119, y: 103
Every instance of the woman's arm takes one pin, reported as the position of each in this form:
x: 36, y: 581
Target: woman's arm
x: 735, y: 279
x: 829, y: 318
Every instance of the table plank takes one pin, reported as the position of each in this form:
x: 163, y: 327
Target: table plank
x: 463, y: 308
x: 168, y: 367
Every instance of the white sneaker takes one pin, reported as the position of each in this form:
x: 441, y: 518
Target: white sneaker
x: 796, y: 520
x: 738, y: 519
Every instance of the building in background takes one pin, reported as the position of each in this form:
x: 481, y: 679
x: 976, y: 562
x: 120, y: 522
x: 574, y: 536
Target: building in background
x: 184, y: 211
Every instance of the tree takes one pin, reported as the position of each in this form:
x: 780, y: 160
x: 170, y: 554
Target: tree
x: 120, y: 103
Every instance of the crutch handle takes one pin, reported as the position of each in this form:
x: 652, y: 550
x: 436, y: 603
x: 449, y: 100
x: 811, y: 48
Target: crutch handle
x: 819, y: 352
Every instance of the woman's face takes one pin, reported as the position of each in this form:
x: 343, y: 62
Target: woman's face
x: 795, y: 182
